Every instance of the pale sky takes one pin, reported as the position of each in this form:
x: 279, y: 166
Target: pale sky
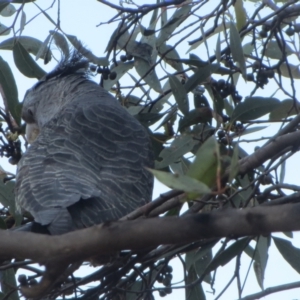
x: 81, y: 18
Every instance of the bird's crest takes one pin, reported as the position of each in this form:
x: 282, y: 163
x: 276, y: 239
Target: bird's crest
x: 76, y: 63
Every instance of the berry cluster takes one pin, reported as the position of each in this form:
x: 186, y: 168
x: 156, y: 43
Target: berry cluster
x: 263, y: 74
x: 126, y: 57
x: 165, y: 277
x: 105, y: 71
x: 225, y: 89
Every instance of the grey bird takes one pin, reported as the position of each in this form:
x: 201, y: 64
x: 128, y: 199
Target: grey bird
x: 88, y: 162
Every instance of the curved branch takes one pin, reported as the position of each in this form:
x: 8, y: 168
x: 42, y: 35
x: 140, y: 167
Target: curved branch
x: 272, y: 290
x: 83, y: 244
x: 269, y: 150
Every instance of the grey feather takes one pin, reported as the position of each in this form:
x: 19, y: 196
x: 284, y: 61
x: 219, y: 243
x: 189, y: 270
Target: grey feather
x: 87, y: 165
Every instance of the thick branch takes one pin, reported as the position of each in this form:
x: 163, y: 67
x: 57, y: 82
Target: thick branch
x: 144, y: 233
x: 269, y: 150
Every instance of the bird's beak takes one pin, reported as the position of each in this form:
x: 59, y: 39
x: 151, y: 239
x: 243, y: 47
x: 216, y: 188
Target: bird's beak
x: 32, y: 131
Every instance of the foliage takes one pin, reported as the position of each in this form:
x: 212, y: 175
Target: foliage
x: 193, y: 106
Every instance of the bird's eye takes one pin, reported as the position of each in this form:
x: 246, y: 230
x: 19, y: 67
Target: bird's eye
x: 30, y: 113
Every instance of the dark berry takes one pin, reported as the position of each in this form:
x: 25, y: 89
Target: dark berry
x: 93, y: 68
x: 123, y: 58
x: 129, y: 57
x: 221, y: 134
x: 113, y: 75
x: 250, y: 77
x: 22, y: 279
x: 162, y: 293
x: 160, y: 278
x: 99, y: 70
x: 263, y: 34
x: 221, y: 83
x: 169, y: 269
x: 290, y: 31
x: 270, y: 73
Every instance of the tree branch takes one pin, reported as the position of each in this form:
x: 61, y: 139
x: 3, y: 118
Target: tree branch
x: 272, y: 290
x: 54, y: 251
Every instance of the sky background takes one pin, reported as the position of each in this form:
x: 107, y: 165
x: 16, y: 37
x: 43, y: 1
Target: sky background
x: 81, y: 18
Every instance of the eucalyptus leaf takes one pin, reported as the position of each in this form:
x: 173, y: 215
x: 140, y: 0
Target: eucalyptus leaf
x: 32, y: 45
x: 204, y: 167
x: 25, y: 63
x: 289, y: 252
x: 179, y: 94
x: 181, y: 145
x: 254, y: 107
x: 61, y: 42
x: 228, y: 254
x: 181, y: 182
x: 200, y: 76
x: 142, y: 67
x: 10, y: 90
x: 102, y: 61
x: 194, y: 292
x: 9, y: 284
x: 237, y: 49
x: 120, y: 70
x: 261, y: 259
x: 240, y: 14
x: 285, y: 109
x: 8, y: 11
x: 273, y: 50
x: 168, y: 28
x: 4, y: 30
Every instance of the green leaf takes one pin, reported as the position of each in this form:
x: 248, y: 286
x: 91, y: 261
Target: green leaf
x: 179, y: 94
x: 285, y: 109
x: 204, y: 166
x: 8, y: 11
x: 201, y: 266
x: 273, y: 50
x: 32, y: 45
x: 290, y: 253
x: 237, y: 49
x: 120, y: 70
x: 22, y: 21
x: 240, y: 14
x: 9, y: 284
x: 2, y: 6
x: 142, y: 67
x: 25, y: 63
x: 254, y: 107
x: 43, y: 48
x: 228, y: 254
x: 9, y: 87
x: 101, y: 61
x: 168, y: 28
x: 195, y: 292
x: 7, y: 197
x: 172, y: 57
x: 234, y: 165
x: 4, y: 30
x: 289, y: 71
x: 61, y: 42
x: 200, y: 76
x: 193, y: 256
x: 181, y: 182
x: 261, y: 259
x: 138, y: 285
x: 218, y: 49
x: 196, y: 116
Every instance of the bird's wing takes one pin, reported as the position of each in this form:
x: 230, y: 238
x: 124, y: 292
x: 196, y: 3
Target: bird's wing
x: 90, y: 160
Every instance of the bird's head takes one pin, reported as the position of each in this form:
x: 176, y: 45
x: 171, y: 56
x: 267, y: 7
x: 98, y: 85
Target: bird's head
x: 49, y: 95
